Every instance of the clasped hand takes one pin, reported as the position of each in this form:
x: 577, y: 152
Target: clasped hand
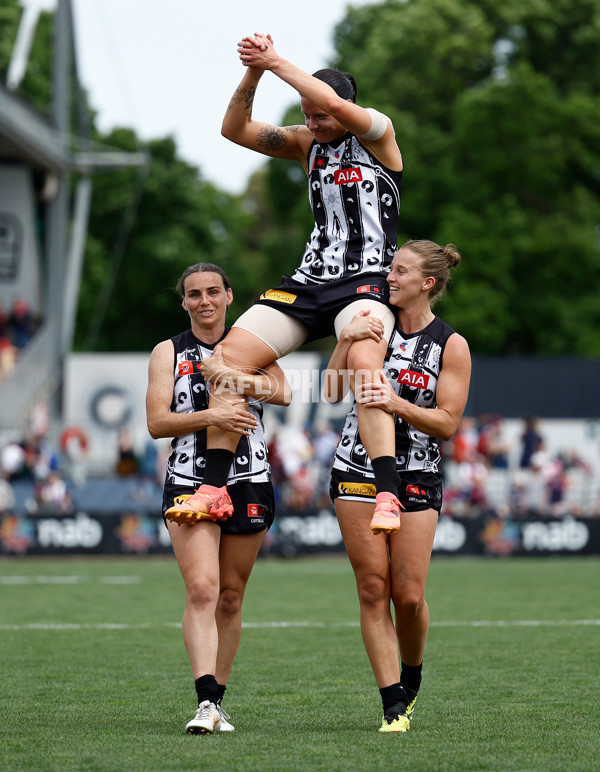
x: 257, y: 51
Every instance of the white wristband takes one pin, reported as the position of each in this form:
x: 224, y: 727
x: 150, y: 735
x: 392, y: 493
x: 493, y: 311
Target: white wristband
x: 379, y: 124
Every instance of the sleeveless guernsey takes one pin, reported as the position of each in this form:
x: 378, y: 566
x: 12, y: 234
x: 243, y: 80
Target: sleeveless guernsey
x: 187, y: 460
x: 412, y: 365
x: 356, y: 203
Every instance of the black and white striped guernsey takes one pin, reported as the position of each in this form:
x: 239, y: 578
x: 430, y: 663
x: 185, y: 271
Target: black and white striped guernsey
x: 355, y: 201
x: 412, y: 365
x: 187, y: 460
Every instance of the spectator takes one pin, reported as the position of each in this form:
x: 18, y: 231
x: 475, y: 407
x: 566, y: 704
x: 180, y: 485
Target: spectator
x: 127, y: 464
x: 7, y: 495
x: 557, y: 486
x: 3, y: 321
x: 299, y: 492
x: 493, y: 445
x: 7, y: 352
x: 278, y: 476
x: 13, y: 460
x: 149, y: 462
x: 531, y: 441
x: 74, y: 447
x: 53, y: 496
x: 464, y: 442
x: 7, y: 356
x: 21, y: 323
x: 537, y: 482
x: 472, y: 480
x: 295, y: 448
x: 40, y: 457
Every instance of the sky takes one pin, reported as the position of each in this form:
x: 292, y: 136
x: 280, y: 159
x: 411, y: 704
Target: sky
x: 169, y: 67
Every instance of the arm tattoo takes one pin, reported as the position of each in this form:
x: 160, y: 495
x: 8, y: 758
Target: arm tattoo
x: 242, y: 95
x: 293, y: 129
x: 271, y: 139
x: 250, y: 99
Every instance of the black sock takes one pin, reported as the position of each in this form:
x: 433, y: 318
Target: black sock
x: 386, y: 474
x: 410, y: 678
x: 206, y: 688
x: 391, y: 696
x: 218, y: 464
x: 221, y: 692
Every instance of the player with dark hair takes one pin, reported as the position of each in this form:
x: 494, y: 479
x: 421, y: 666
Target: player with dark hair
x: 354, y: 170
x: 215, y: 556
x: 424, y: 385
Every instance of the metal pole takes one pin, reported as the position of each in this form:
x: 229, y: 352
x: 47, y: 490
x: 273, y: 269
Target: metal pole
x: 58, y: 209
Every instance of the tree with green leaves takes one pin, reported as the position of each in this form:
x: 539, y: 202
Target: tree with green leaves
x: 145, y: 227
x: 497, y: 112
x: 176, y: 219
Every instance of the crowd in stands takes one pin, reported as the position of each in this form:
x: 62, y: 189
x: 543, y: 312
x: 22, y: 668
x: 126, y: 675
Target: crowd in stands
x: 528, y: 480
x: 17, y: 326
x: 483, y: 471
x: 35, y: 460
x: 54, y: 472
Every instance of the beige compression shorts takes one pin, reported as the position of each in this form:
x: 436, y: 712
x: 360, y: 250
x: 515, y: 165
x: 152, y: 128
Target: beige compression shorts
x: 284, y: 334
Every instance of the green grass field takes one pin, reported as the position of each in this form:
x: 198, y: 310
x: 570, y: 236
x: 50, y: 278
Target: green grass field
x: 95, y: 675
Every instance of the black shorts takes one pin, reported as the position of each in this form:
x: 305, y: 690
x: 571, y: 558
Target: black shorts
x: 417, y: 491
x: 317, y: 305
x: 253, y: 506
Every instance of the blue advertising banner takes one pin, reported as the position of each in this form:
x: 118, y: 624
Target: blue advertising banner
x: 293, y: 534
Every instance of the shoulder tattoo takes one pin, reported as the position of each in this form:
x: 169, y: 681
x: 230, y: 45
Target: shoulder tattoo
x: 271, y: 138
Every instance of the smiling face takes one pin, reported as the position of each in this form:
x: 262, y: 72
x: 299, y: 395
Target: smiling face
x: 206, y: 300
x: 324, y: 128
x: 408, y: 286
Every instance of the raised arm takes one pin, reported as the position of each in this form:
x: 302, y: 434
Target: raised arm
x: 162, y: 422
x: 374, y: 130
x: 290, y: 142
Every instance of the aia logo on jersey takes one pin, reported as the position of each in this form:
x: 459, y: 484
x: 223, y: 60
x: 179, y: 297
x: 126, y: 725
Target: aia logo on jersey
x: 411, y: 378
x: 187, y: 367
x: 369, y: 288
x: 414, y: 490
x: 343, y: 176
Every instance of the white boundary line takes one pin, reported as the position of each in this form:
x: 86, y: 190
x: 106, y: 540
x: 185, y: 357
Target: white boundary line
x: 266, y: 625
x: 70, y: 579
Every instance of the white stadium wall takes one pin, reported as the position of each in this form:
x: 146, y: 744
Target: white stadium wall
x: 106, y: 392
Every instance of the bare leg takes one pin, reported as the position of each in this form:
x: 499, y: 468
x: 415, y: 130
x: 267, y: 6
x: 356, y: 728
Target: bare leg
x: 242, y: 350
x: 370, y: 561
x: 237, y: 557
x: 376, y: 426
x: 410, y: 552
x: 197, y: 552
